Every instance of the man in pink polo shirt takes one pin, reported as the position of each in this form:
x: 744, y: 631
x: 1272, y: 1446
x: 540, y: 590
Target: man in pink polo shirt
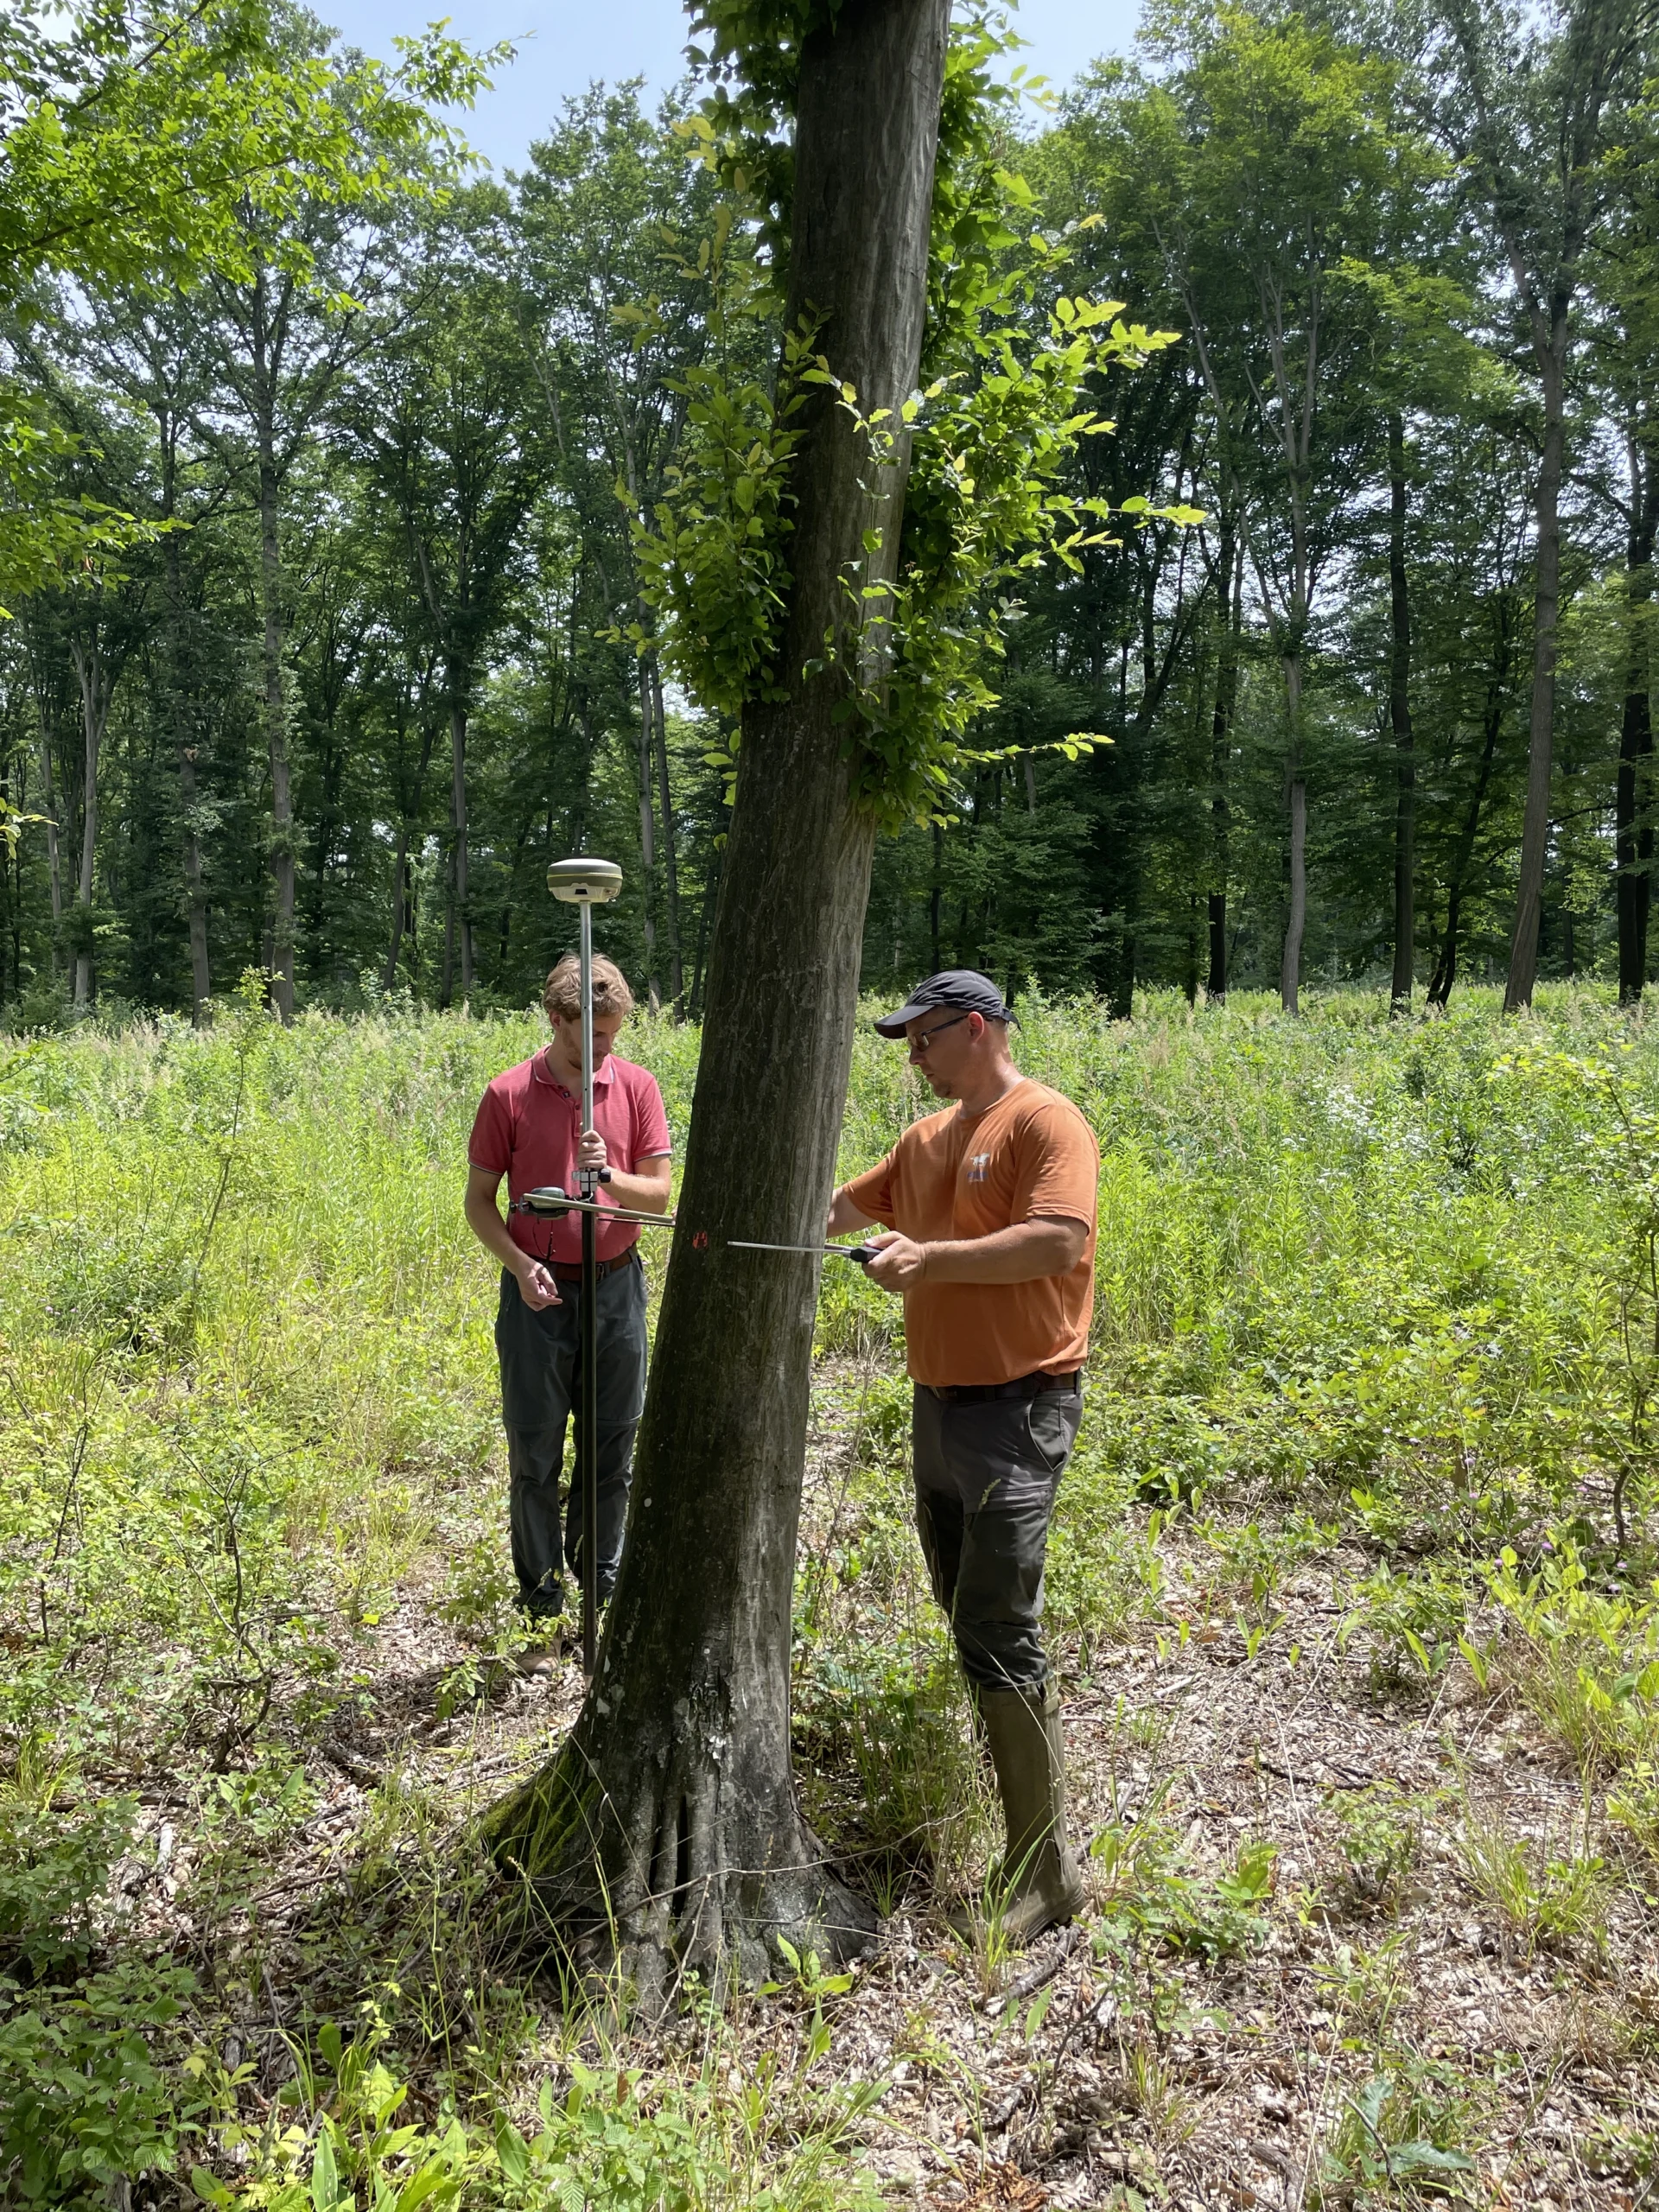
x: 529, y: 1129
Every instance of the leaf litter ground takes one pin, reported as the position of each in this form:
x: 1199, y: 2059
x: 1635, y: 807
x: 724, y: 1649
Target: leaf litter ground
x: 1314, y: 2034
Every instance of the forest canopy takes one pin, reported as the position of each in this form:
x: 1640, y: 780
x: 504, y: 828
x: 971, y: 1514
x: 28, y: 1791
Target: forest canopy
x: 336, y: 470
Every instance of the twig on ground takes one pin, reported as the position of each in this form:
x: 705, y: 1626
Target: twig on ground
x: 1036, y: 1977
x: 1338, y: 1777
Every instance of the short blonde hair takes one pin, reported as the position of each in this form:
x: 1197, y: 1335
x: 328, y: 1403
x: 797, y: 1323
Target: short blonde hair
x: 562, y: 994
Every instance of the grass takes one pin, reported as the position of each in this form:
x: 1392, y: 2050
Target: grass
x: 1367, y: 1423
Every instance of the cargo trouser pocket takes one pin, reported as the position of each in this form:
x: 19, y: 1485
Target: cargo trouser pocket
x: 1052, y: 1419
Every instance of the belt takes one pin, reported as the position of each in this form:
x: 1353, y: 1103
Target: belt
x: 1023, y: 1386
x: 571, y: 1270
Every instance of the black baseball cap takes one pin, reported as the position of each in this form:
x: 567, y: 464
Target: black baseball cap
x: 964, y: 990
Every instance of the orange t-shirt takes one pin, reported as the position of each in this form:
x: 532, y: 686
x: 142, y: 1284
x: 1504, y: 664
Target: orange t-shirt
x: 953, y: 1175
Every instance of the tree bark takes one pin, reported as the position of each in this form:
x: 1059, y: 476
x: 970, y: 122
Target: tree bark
x: 97, y: 682
x: 1547, y: 592
x: 463, y: 918
x: 1290, y: 970
x: 400, y: 873
x: 670, y: 866
x: 195, y: 894
x: 1405, y: 814
x: 1230, y: 570
x: 48, y: 809
x: 648, y: 842
x: 1290, y: 966
x: 672, y: 1807
x: 1445, y: 967
x: 262, y: 390
x: 447, y: 988
x: 1633, y: 791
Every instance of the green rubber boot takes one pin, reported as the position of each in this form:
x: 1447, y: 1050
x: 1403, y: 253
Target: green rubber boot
x: 1044, y: 1885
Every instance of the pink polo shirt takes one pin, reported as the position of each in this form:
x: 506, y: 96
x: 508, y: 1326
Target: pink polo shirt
x: 526, y: 1129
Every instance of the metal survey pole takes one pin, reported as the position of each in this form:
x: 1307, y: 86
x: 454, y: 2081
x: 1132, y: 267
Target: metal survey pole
x: 586, y: 884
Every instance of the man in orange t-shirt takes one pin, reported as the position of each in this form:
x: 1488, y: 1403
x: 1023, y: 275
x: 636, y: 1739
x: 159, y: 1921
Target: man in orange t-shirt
x: 989, y: 1211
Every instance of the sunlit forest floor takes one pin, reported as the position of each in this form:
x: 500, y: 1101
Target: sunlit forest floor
x: 1352, y: 1593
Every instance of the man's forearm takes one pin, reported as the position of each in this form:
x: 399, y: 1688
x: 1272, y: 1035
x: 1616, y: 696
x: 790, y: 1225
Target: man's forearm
x: 1024, y: 1253
x: 484, y: 1219
x: 639, y: 1194
x: 844, y: 1216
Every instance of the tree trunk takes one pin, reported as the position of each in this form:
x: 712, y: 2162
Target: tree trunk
x: 275, y: 712
x: 1547, y: 571
x: 195, y: 894
x: 1290, y: 971
x: 1633, y: 792
x: 96, y: 682
x: 463, y: 918
x: 670, y: 866
x: 937, y: 895
x: 1405, y: 815
x: 672, y: 1807
x: 403, y: 875
x: 399, y: 907
x: 1445, y: 969
x: 1229, y: 569
x: 49, y: 808
x: 1290, y: 967
x: 518, y: 844
x: 447, y: 988
x: 648, y: 842
x: 710, y: 893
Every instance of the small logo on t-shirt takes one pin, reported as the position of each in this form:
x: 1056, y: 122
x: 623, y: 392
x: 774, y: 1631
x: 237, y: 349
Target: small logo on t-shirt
x: 978, y: 1165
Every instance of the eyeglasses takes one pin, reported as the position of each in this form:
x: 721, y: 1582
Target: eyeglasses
x: 920, y: 1043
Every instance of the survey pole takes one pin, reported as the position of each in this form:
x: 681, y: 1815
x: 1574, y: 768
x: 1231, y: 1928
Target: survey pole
x: 586, y: 884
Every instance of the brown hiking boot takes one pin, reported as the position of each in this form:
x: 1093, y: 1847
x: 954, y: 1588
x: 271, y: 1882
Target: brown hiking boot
x: 1043, y: 1885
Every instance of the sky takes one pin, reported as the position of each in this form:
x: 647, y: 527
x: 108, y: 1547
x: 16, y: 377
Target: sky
x: 564, y: 45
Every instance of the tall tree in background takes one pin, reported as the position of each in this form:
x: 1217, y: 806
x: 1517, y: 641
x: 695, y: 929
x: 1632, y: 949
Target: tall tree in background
x: 1532, y: 111
x: 286, y: 329
x: 1417, y: 361
x: 1623, y: 348
x: 147, y: 344
x: 1265, y: 163
x: 445, y: 418
x: 611, y: 215
x: 138, y: 147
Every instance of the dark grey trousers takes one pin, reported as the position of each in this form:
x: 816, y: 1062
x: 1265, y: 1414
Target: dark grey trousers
x: 541, y: 1388
x: 985, y: 1477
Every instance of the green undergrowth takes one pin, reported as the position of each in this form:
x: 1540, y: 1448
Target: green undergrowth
x: 1373, y: 1297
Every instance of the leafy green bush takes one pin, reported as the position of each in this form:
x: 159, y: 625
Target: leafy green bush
x: 99, y: 2080
x: 55, y: 1860
x: 338, y: 2139
x: 1588, y: 1661
x: 1378, y: 1834
x: 1401, y: 2132
x: 1145, y: 1898
x: 1413, y: 1624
